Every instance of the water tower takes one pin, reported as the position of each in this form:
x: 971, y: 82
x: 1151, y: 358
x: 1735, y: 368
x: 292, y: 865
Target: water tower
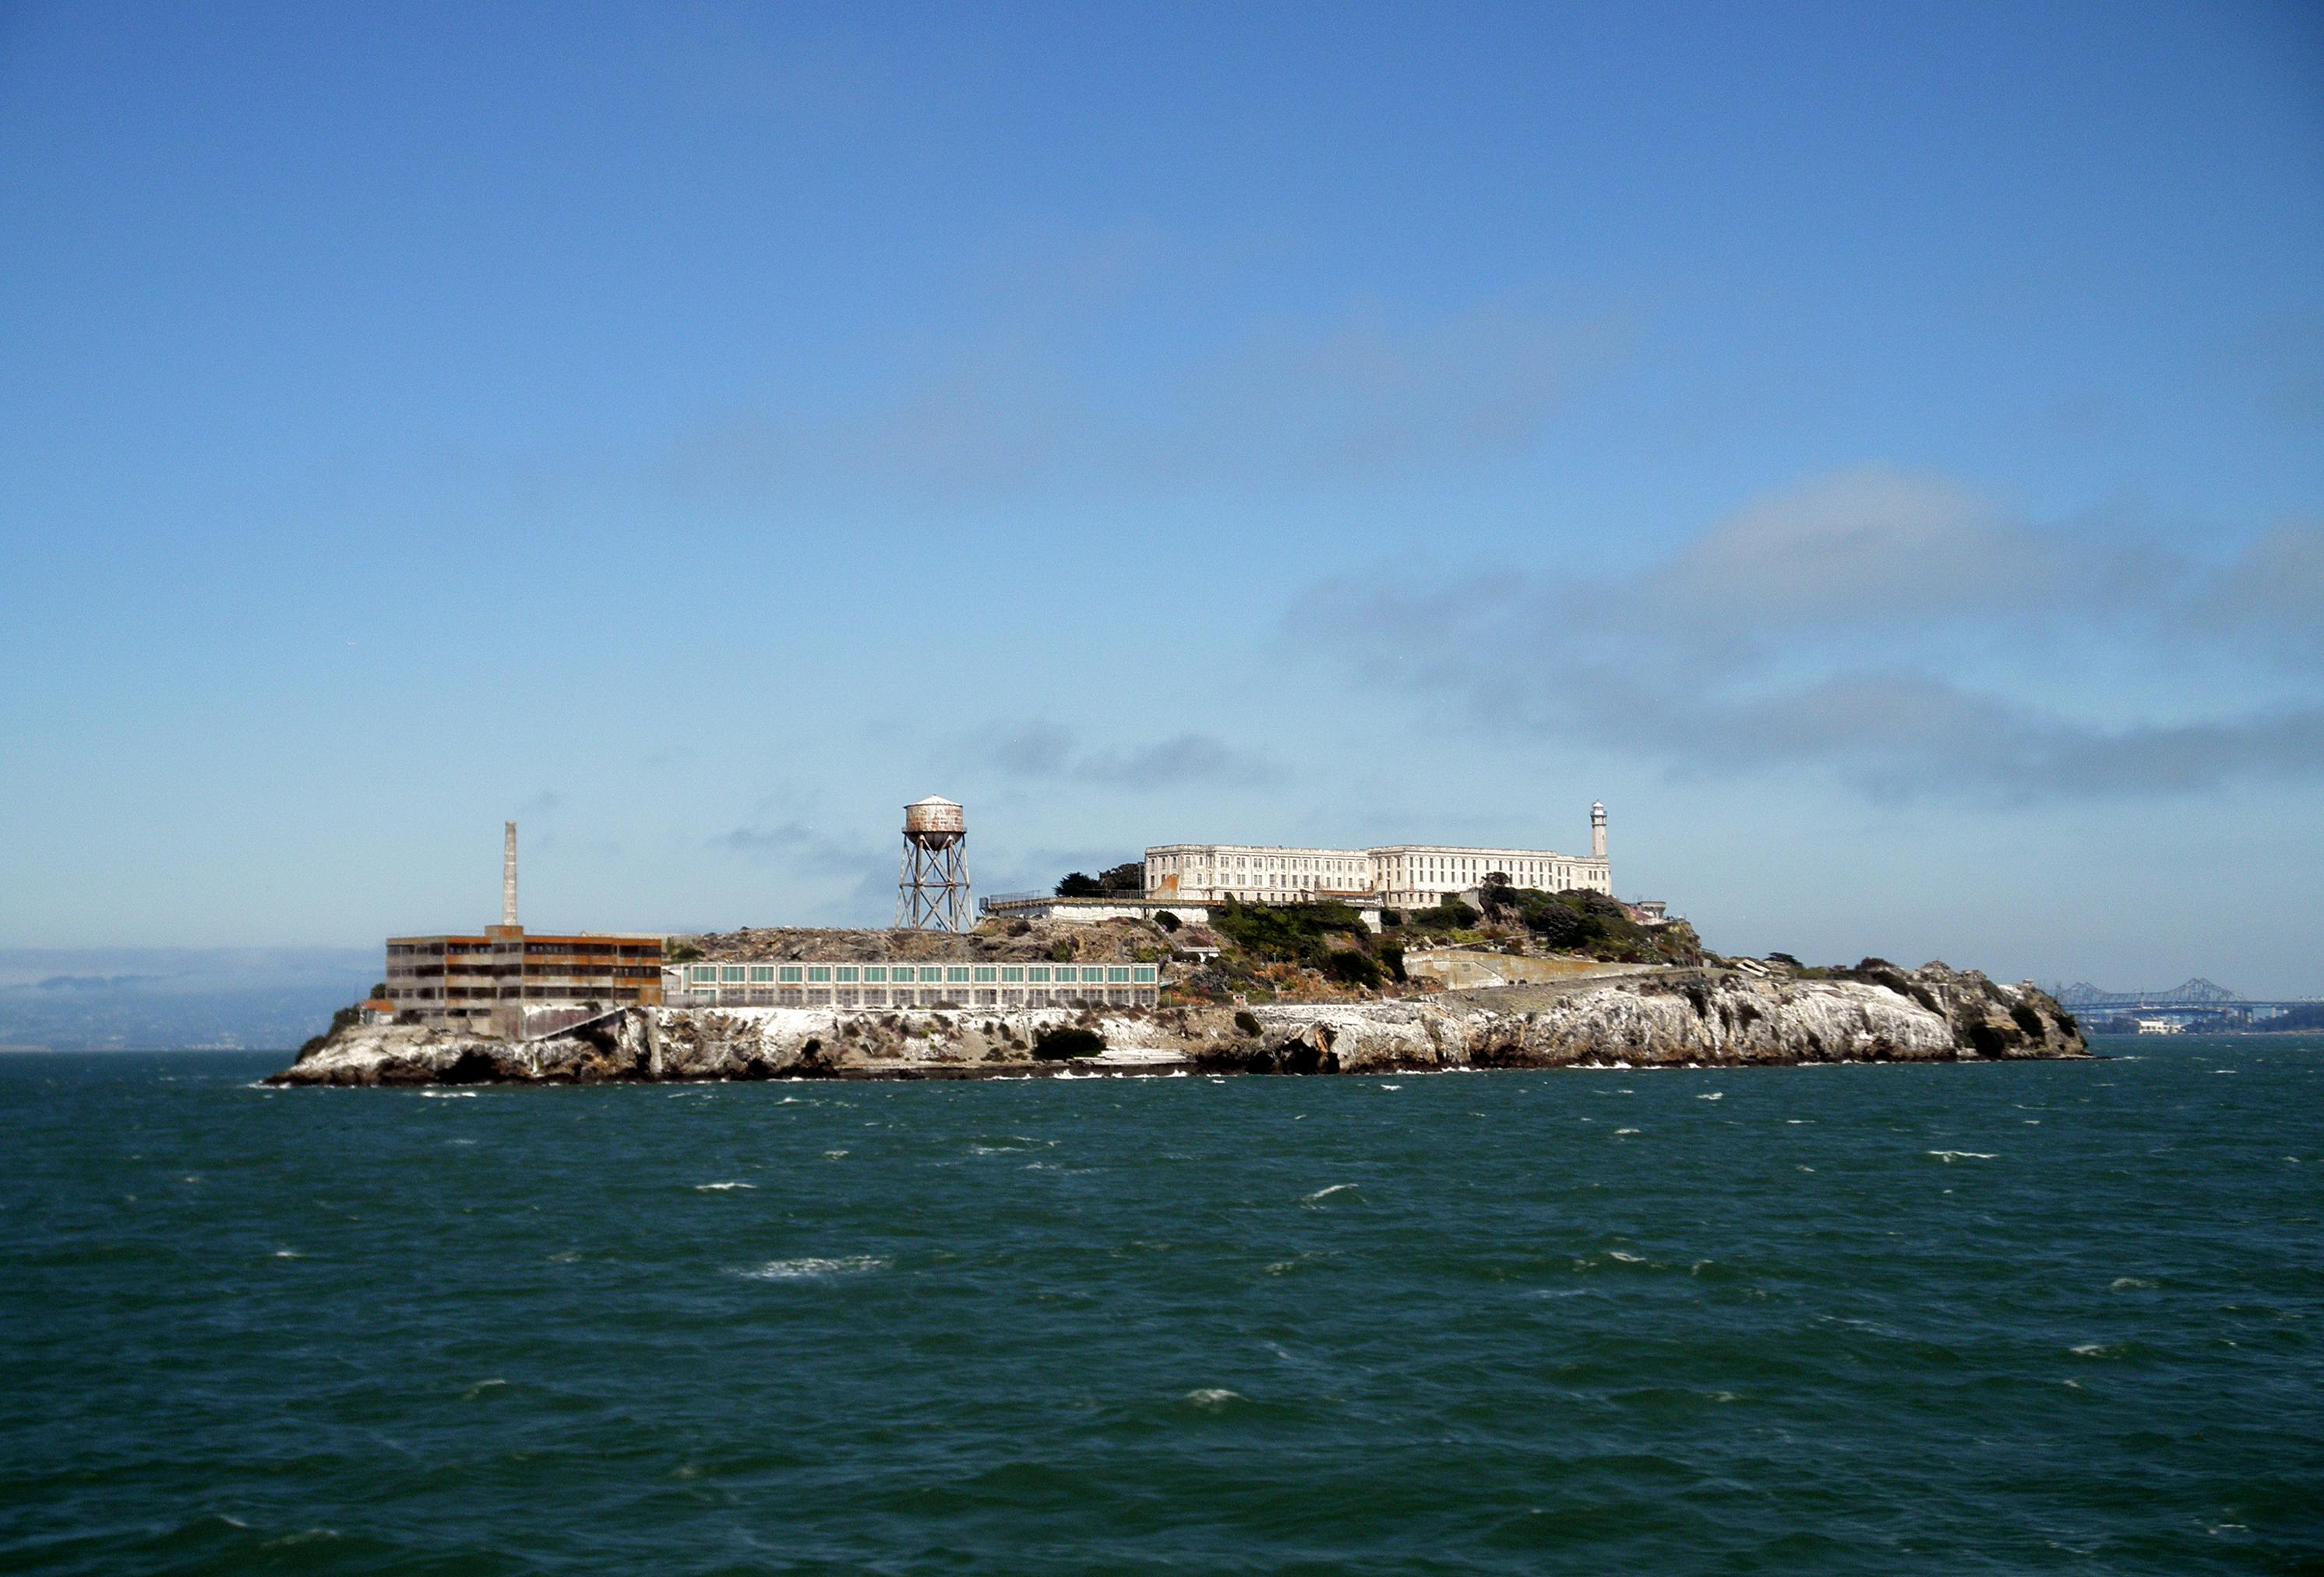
x: 932, y: 889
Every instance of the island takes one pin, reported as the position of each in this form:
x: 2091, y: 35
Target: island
x: 1519, y: 978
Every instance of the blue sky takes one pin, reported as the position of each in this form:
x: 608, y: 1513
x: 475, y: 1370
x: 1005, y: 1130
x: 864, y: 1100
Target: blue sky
x: 1879, y: 451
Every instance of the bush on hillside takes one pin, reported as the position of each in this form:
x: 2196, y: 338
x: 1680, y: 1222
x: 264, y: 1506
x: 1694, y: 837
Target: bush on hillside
x: 1287, y: 933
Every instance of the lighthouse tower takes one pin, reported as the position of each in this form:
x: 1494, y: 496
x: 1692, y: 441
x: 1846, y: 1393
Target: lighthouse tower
x: 1597, y: 830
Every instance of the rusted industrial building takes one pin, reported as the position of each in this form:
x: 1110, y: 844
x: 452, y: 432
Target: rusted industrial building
x: 503, y: 981
x: 462, y: 981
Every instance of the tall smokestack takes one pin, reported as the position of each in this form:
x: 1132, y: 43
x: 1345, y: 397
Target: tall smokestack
x: 508, y: 877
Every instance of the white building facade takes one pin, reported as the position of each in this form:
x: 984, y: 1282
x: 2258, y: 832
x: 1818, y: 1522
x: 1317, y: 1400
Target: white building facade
x: 1409, y: 875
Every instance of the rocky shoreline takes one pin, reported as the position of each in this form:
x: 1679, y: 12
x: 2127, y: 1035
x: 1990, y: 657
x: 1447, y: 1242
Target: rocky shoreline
x: 1739, y: 1013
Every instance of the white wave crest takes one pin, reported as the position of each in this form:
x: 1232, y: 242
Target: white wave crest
x: 808, y: 1268
x: 1949, y: 1156
x: 720, y: 1187
x: 1327, y: 1193
x: 1213, y: 1398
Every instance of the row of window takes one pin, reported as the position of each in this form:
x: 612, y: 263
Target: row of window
x: 939, y: 998
x: 923, y: 974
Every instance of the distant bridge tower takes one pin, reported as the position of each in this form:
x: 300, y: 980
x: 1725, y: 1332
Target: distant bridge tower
x: 1597, y: 830
x: 932, y: 889
x: 508, y: 876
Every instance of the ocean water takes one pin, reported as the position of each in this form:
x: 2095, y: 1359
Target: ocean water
x: 2012, y: 1318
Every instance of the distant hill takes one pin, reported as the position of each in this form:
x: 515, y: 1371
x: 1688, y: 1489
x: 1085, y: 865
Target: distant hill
x: 167, y: 998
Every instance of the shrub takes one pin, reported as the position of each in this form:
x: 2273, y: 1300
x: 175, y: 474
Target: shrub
x: 1077, y: 885
x: 343, y: 1019
x: 1286, y: 933
x: 1353, y: 968
x: 1057, y: 1045
x: 1060, y: 951
x: 1449, y: 915
x: 1394, y: 958
x: 1246, y: 1021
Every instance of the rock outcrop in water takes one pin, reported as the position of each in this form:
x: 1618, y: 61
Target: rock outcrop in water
x: 1739, y: 1014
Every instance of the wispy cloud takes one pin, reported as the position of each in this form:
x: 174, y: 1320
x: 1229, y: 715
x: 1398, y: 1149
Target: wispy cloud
x: 1901, y: 632
x: 800, y: 847
x: 1044, y: 397
x: 1051, y: 752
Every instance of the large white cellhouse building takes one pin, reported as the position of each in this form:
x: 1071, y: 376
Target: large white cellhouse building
x: 1412, y: 875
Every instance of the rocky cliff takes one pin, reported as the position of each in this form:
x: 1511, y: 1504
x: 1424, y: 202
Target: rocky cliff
x: 1741, y: 1013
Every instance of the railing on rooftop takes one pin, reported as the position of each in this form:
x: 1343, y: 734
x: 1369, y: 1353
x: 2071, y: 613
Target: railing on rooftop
x: 992, y: 901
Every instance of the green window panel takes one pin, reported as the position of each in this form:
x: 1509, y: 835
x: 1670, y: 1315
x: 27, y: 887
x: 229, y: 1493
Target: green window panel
x: 846, y: 974
x: 702, y: 974
x: 792, y: 974
x: 818, y: 971
x: 1037, y: 975
x: 1091, y: 976
x: 763, y: 974
x: 931, y: 974
x: 1117, y: 976
x: 956, y: 973
x: 1012, y: 973
x: 985, y: 974
x: 874, y: 973
x: 732, y: 974
x: 1145, y: 974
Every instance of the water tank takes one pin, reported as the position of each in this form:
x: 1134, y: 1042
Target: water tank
x: 934, y: 822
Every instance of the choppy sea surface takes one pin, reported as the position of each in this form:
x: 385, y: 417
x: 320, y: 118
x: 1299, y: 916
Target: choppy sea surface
x: 2023, y: 1317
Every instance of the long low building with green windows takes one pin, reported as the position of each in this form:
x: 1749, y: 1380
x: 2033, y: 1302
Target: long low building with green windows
x: 809, y: 984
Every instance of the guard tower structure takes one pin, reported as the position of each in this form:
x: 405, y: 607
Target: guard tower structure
x: 931, y: 887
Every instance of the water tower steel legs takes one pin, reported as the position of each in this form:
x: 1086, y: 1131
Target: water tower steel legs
x: 931, y: 887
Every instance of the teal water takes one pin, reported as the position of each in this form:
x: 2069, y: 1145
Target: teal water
x: 2028, y: 1317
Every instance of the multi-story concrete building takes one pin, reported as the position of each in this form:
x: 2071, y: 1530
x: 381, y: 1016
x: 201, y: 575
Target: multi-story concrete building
x: 502, y: 976
x: 1397, y: 874
x: 501, y: 981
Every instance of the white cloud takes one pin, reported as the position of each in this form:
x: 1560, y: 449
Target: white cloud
x: 1834, y: 625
